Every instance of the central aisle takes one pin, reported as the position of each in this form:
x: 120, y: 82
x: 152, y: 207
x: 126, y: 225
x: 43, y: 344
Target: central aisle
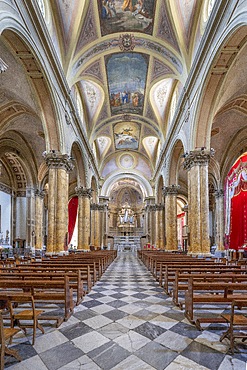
x: 127, y: 322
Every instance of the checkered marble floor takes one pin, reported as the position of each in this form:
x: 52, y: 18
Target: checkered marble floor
x: 127, y: 322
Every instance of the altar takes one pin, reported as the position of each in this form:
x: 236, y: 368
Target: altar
x: 126, y: 220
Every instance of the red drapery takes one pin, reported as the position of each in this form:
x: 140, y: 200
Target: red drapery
x: 236, y: 204
x: 72, y: 210
x: 238, y: 233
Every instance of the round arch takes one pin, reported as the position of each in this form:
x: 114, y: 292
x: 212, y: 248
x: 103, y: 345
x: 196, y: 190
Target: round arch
x: 145, y: 185
x: 34, y: 67
x: 213, y: 88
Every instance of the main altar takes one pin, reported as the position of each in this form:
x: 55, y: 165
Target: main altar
x: 126, y: 220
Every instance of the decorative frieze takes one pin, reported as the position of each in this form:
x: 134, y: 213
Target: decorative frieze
x: 21, y: 194
x: 5, y: 189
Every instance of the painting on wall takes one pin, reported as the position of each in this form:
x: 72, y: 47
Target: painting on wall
x: 126, y: 135
x: 126, y: 75
x: 126, y: 16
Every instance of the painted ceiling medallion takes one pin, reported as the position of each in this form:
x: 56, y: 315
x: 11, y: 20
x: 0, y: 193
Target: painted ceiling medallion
x: 127, y: 161
x: 127, y: 42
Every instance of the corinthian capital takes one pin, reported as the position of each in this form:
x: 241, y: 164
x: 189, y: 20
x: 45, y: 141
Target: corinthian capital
x: 171, y: 189
x: 40, y: 193
x: 219, y: 193
x: 198, y: 157
x: 83, y: 192
x: 55, y: 159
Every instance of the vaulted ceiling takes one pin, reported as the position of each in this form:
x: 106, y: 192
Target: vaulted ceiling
x: 126, y: 62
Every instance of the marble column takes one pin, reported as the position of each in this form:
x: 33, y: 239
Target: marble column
x: 39, y: 205
x: 150, y: 219
x: 104, y: 201
x: 95, y: 224
x: 147, y: 224
x: 160, y: 227
x: 196, y: 163
x: 219, y: 219
x: 30, y: 217
x: 153, y: 222
x: 59, y: 165
x: 171, y: 232
x: 84, y: 196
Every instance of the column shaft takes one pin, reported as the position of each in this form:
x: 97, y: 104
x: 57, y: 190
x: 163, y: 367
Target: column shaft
x: 195, y: 211
x: 204, y: 211
x: 96, y: 228
x: 39, y: 202
x: 59, y: 165
x: 84, y: 196
x: 51, y: 237
x: 171, y: 222
x: 62, y: 210
x: 219, y: 214
x: 196, y: 162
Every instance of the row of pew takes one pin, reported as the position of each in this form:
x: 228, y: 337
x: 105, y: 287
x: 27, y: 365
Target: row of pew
x: 193, y: 283
x: 29, y: 287
x: 56, y: 279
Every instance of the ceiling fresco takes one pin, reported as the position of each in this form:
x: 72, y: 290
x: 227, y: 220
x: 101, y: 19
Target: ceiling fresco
x: 128, y: 60
x: 127, y: 74
x: 127, y: 135
x: 126, y: 15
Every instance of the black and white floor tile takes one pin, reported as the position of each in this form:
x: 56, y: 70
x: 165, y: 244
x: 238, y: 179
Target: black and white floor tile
x: 127, y: 322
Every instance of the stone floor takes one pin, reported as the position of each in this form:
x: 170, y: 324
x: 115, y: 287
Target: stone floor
x: 125, y: 323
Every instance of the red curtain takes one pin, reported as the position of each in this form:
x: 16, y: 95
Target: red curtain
x: 236, y: 188
x: 72, y: 210
x: 238, y: 228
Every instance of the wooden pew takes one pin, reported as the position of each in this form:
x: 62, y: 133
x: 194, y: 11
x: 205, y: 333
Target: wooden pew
x: 45, y: 291
x: 181, y: 280
x: 169, y: 274
x: 85, y: 272
x: 86, y: 268
x: 75, y: 279
x: 220, y: 292
x: 237, y: 323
